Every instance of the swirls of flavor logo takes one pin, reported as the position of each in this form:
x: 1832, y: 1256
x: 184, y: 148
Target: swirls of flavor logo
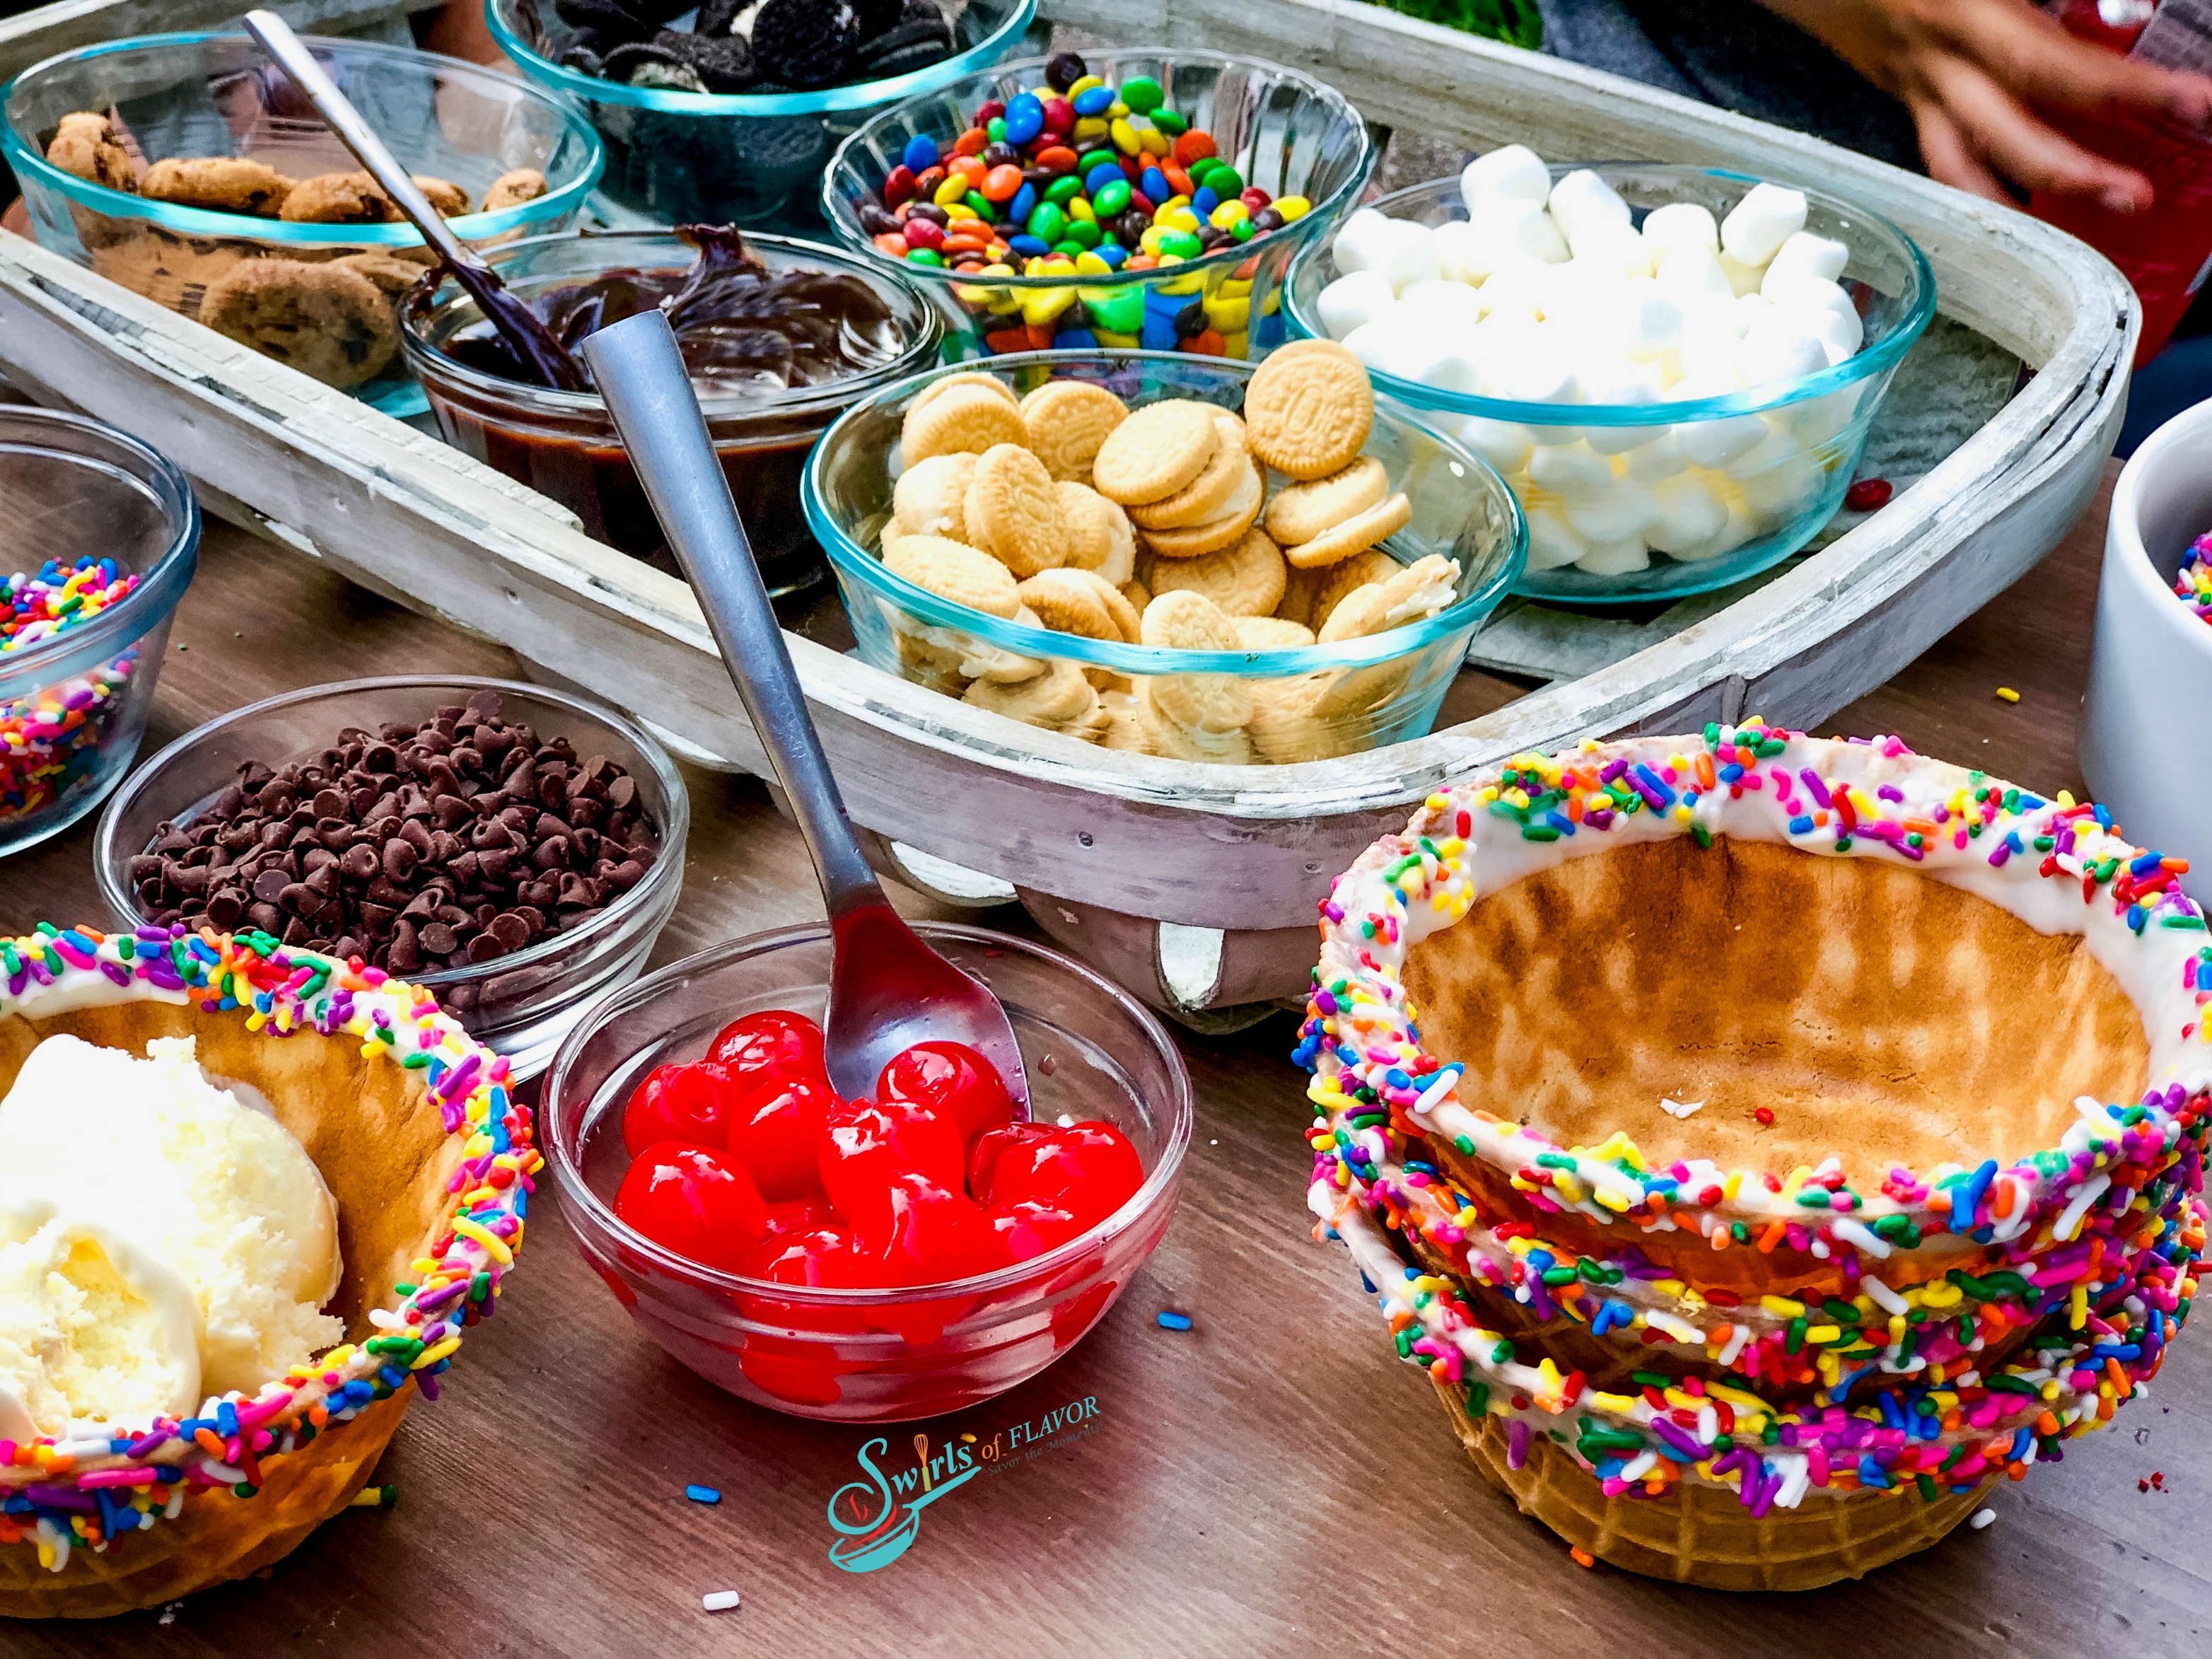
x: 877, y: 1517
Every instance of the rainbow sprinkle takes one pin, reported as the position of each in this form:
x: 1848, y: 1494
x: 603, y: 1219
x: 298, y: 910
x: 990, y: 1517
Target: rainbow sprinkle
x: 64, y: 1495
x: 51, y: 739
x: 2087, y: 1251
x: 2194, y: 583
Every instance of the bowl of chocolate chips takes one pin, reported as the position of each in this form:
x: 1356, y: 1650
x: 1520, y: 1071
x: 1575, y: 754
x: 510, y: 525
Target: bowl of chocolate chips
x: 726, y: 113
x: 514, y: 849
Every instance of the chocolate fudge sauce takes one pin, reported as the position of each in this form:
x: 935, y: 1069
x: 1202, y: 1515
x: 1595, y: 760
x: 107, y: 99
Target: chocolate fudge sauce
x: 748, y: 334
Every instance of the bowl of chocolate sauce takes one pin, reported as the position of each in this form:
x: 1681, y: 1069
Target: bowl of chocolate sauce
x: 781, y: 336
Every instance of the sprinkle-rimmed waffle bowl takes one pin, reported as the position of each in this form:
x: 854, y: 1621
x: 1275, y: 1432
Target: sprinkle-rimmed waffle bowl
x: 429, y: 1162
x: 1794, y: 1136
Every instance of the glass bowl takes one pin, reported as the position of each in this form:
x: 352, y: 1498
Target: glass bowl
x: 1284, y: 131
x: 1311, y: 701
x: 563, y: 444
x: 741, y: 159
x: 215, y: 94
x: 73, y: 706
x: 519, y: 1004
x: 1799, y: 440
x: 870, y: 1356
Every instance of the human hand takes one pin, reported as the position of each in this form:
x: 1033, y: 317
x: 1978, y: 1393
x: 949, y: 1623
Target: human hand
x: 1973, y: 73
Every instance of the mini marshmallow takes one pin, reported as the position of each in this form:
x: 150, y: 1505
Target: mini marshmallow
x: 1441, y: 300
x: 1757, y: 227
x: 1786, y: 490
x: 1383, y: 341
x: 1506, y: 444
x: 1360, y: 245
x: 1626, y: 509
x: 1649, y: 323
x: 1408, y: 254
x: 1818, y: 421
x: 1715, y: 443
x: 1512, y: 171
x: 1689, y: 515
x: 1660, y: 459
x: 1610, y: 245
x: 1552, y: 540
x: 1742, y: 278
x: 1779, y: 348
x: 1571, y: 471
x: 1452, y: 358
x: 1464, y: 253
x: 1739, y: 528
x: 1582, y: 200
x: 1804, y: 254
x: 1352, y: 299
x: 1615, y: 558
x: 1533, y: 371
x: 1680, y: 225
x: 1516, y: 290
x: 1686, y: 273
x: 1512, y: 226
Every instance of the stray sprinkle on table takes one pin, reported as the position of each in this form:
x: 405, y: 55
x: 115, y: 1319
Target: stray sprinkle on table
x: 699, y: 1494
x: 1174, y: 1322
x: 376, y: 1498
x: 718, y: 1601
x: 1982, y: 1518
x: 2008, y: 694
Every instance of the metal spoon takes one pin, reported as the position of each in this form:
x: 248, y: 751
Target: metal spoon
x: 522, y: 327
x: 888, y: 989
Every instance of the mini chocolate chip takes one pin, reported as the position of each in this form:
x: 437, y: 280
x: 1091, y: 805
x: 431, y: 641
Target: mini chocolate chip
x: 399, y: 858
x: 439, y: 940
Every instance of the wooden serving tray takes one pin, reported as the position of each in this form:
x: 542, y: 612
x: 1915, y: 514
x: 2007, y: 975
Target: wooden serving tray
x: 1194, y: 885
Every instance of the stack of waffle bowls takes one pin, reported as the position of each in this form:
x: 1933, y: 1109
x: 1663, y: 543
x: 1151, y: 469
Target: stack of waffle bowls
x: 429, y: 1161
x: 1765, y: 1142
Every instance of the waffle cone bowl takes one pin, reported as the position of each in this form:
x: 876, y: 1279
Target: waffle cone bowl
x: 1766, y: 1144
x: 427, y: 1161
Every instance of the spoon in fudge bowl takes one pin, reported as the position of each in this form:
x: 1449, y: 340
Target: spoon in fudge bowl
x: 888, y: 989
x: 543, y: 358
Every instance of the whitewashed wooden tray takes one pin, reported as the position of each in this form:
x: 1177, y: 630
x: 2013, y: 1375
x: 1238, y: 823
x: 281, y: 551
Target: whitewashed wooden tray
x: 1193, y: 885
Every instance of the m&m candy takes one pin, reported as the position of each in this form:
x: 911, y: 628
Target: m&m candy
x: 1080, y: 180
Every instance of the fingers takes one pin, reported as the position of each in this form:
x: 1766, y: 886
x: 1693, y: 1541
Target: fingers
x: 2001, y: 134
x: 2034, y: 59
x: 1943, y: 147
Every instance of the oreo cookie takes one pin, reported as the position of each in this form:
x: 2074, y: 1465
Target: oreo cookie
x: 581, y: 57
x: 921, y: 37
x: 874, y: 16
x: 722, y: 63
x: 806, y: 44
x: 717, y: 17
x: 610, y: 21
x: 649, y: 63
x: 906, y: 59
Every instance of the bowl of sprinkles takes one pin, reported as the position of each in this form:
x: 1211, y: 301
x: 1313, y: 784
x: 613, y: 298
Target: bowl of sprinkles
x: 1766, y: 1144
x: 100, y: 536
x: 428, y: 1163
x: 1122, y: 199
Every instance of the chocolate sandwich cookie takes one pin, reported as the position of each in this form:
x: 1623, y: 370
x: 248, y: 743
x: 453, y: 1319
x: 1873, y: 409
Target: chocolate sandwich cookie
x: 610, y: 21
x: 723, y: 63
x: 650, y: 63
x: 806, y: 44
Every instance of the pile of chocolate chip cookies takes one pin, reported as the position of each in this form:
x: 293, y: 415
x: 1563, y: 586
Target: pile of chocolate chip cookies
x: 327, y: 312
x: 1067, y: 510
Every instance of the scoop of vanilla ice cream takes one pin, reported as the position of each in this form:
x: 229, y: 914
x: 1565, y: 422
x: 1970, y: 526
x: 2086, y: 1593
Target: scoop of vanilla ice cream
x: 153, y: 1151
x: 93, y: 1328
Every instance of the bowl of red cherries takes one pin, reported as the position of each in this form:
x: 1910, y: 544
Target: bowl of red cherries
x: 873, y: 1259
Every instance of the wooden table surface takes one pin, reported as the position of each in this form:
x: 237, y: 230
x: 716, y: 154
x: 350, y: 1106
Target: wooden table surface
x: 1271, y: 1481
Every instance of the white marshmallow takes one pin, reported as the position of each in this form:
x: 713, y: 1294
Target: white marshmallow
x: 1532, y: 370
x: 1352, y: 299
x: 1442, y: 302
x: 1756, y: 227
x: 1786, y: 490
x: 1582, y: 200
x: 1408, y: 254
x: 1360, y: 245
x: 1513, y: 172
x: 1386, y: 344
x: 1552, y: 540
x: 1611, y: 246
x: 1689, y: 515
x: 1739, y: 528
x: 1616, y: 558
x: 1613, y: 381
x: 1571, y: 471
x: 1451, y: 362
x: 1464, y: 254
x: 1777, y: 349
x: 1715, y: 443
x: 1686, y: 273
x: 1513, y: 225
x: 1680, y: 225
x: 1662, y: 458
x: 1517, y: 288
x: 1506, y: 444
x: 1626, y: 509
x: 1804, y: 254
x: 1820, y: 421
x: 1742, y: 278
x: 1649, y: 322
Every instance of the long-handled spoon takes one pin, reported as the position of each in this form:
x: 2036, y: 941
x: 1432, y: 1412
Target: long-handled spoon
x: 522, y: 328
x: 887, y: 988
